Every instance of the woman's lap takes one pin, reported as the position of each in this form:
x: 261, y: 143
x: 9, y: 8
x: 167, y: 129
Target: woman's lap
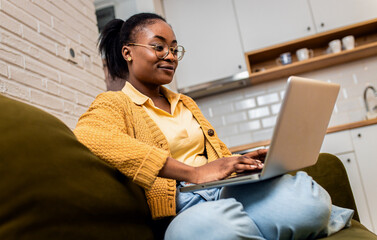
x: 287, y: 207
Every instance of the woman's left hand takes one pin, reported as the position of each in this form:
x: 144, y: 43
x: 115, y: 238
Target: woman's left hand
x: 259, y: 154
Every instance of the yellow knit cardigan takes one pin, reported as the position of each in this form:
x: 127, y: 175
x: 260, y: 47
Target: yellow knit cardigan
x: 121, y: 133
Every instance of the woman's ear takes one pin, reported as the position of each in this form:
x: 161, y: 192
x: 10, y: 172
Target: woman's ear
x: 126, y: 54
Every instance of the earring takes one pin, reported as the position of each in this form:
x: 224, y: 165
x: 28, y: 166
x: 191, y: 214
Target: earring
x: 129, y: 59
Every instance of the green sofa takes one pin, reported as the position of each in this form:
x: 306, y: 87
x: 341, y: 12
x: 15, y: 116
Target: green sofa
x: 53, y: 187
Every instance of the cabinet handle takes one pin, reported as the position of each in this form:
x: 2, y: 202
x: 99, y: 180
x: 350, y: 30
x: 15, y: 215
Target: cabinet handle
x: 308, y: 28
x: 239, y: 66
x: 348, y: 160
x: 359, y: 135
x: 322, y: 24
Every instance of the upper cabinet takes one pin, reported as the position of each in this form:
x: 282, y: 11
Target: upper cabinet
x: 330, y: 14
x: 208, y: 30
x: 268, y: 22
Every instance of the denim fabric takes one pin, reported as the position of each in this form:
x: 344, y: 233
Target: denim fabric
x: 189, y: 199
x: 287, y: 207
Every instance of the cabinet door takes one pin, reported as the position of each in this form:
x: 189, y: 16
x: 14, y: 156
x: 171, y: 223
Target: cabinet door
x: 337, y: 143
x: 350, y: 163
x: 365, y: 145
x: 209, y: 33
x: 268, y: 22
x: 330, y: 14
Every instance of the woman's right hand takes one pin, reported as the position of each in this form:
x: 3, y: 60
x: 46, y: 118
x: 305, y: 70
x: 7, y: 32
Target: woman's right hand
x: 224, y: 167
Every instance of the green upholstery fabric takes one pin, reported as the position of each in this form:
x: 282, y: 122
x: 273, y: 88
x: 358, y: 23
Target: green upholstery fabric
x: 52, y: 187
x: 356, y: 232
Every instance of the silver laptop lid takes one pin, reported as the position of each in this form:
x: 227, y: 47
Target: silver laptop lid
x: 301, y: 125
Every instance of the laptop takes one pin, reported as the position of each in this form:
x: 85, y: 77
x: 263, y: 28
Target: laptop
x: 298, y: 134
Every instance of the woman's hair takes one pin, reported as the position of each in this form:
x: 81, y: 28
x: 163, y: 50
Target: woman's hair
x: 118, y: 33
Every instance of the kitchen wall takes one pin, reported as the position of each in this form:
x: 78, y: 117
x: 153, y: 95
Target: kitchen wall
x: 48, y: 55
x: 248, y: 115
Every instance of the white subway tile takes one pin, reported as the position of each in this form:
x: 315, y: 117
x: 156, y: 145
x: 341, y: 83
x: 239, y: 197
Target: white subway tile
x: 269, y: 122
x: 254, y: 91
x: 262, y: 135
x: 233, y: 96
x: 223, y: 109
x: 249, y: 126
x: 217, y: 121
x: 357, y: 115
x: 235, y: 118
x: 245, y: 104
x: 275, y: 109
x: 240, y: 139
x: 267, y: 99
x: 227, y: 131
x: 258, y: 112
x: 349, y: 105
x: 276, y: 85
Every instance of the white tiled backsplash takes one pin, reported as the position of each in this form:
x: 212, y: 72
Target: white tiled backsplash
x: 248, y: 115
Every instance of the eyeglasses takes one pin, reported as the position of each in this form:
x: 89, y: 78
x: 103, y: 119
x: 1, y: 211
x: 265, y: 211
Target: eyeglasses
x: 162, y: 50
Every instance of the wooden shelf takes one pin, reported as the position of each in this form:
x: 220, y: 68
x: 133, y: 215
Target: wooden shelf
x: 365, y: 34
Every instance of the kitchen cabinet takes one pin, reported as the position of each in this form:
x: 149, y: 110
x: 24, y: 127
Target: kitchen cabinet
x: 355, y: 152
x: 269, y: 22
x: 353, y: 171
x: 365, y: 144
x: 330, y: 14
x: 209, y: 32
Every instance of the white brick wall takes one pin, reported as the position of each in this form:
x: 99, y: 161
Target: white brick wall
x: 248, y: 115
x: 35, y: 64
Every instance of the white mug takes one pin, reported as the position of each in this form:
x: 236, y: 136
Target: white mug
x: 348, y: 42
x: 335, y: 46
x: 284, y: 59
x: 304, y: 53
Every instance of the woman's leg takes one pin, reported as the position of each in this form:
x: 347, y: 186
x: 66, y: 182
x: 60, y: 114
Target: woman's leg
x: 221, y: 220
x: 290, y: 207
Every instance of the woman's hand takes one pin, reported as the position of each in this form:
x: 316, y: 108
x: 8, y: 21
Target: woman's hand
x: 223, y: 167
x: 259, y: 154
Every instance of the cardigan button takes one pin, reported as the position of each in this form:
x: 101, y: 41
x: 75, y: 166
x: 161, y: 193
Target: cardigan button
x: 211, y: 132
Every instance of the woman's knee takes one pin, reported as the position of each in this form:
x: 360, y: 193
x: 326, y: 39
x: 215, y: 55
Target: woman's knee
x: 222, y: 219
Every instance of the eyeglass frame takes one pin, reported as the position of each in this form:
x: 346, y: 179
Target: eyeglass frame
x: 170, y: 49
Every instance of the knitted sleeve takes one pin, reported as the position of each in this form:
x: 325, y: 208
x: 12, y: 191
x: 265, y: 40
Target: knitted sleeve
x: 105, y: 130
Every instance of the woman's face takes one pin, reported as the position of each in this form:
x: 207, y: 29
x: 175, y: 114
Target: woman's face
x: 145, y: 67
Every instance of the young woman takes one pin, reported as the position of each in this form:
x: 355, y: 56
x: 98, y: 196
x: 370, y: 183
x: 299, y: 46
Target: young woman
x: 161, y: 140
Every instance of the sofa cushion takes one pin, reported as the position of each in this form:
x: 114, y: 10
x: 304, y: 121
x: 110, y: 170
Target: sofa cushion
x: 53, y: 187
x: 357, y: 231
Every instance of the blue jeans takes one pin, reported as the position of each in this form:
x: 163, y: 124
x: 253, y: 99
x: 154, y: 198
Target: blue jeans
x: 287, y: 207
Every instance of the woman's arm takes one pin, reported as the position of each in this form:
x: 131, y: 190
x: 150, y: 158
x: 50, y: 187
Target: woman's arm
x: 106, y: 131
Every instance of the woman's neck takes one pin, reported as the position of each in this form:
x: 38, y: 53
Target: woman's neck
x: 151, y: 91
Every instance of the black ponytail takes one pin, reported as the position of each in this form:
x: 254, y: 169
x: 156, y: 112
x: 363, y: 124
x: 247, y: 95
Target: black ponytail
x: 118, y: 33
